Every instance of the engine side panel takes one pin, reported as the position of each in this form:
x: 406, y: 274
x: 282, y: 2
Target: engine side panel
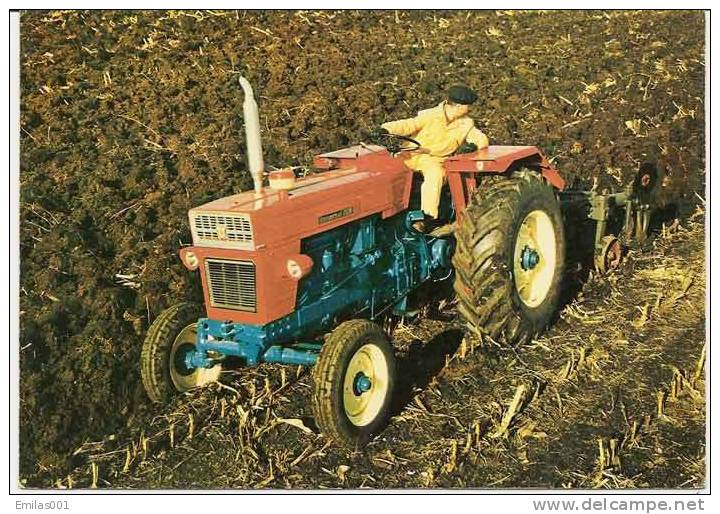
x: 363, y: 268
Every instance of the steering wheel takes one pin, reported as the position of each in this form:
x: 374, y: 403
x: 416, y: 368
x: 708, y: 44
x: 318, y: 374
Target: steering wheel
x: 392, y: 142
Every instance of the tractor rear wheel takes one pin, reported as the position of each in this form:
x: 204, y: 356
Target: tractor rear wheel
x: 162, y: 361
x: 354, y: 381
x: 510, y: 258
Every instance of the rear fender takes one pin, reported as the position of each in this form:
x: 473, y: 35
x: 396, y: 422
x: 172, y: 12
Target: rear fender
x: 462, y: 170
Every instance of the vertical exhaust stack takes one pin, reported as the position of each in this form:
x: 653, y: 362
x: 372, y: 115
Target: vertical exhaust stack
x: 252, y: 135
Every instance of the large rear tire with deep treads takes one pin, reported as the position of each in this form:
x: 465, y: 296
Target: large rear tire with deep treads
x: 510, y: 258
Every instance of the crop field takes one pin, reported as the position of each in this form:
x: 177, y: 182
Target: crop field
x: 130, y: 118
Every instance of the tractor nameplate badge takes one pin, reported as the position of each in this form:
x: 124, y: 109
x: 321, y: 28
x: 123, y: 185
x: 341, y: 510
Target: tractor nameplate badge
x: 326, y: 218
x: 221, y: 232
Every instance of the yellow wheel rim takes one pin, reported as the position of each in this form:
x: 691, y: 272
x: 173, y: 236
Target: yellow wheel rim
x: 198, y: 377
x: 535, y: 258
x: 366, y: 385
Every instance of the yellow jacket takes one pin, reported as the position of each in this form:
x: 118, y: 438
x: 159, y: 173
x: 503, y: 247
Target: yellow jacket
x: 431, y: 129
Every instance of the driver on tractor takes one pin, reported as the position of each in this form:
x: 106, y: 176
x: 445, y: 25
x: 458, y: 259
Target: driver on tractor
x: 441, y: 131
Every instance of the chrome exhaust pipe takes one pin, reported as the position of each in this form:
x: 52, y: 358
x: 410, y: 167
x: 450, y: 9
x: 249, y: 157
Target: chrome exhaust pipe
x: 251, y: 116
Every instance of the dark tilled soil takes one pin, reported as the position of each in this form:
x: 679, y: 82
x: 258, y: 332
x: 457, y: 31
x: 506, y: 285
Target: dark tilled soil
x: 131, y: 118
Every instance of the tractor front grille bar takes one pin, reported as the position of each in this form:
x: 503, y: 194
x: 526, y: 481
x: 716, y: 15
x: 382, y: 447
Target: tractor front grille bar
x: 231, y: 284
x: 222, y: 230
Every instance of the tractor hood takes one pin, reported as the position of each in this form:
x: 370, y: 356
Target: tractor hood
x: 369, y: 181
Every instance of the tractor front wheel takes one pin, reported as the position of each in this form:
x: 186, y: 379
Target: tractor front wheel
x: 171, y: 337
x: 354, y: 381
x: 510, y: 258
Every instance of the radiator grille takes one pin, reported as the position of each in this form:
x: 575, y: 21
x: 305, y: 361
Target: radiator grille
x: 231, y: 284
x: 232, y: 231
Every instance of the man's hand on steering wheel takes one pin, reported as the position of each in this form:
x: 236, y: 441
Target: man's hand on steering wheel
x: 392, y: 142
x: 378, y: 134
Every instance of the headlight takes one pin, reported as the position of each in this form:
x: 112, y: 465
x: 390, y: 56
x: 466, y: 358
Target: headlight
x: 189, y: 259
x: 294, y: 269
x: 298, y: 266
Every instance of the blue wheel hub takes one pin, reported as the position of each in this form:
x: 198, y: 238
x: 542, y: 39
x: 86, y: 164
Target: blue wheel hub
x: 361, y: 384
x: 529, y: 258
x: 182, y: 360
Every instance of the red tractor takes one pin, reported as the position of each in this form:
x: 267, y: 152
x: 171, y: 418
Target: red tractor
x: 301, y: 271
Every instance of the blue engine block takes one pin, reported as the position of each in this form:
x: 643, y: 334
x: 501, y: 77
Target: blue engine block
x: 364, y: 268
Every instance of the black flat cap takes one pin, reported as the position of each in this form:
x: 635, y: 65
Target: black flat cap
x: 460, y: 94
